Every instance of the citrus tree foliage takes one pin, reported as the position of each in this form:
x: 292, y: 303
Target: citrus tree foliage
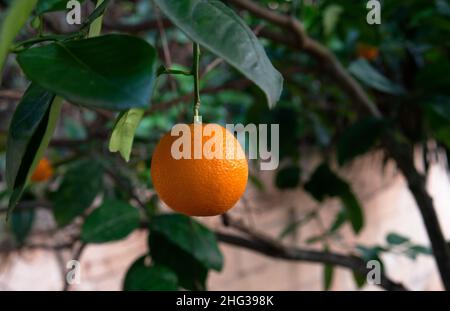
x: 125, y: 89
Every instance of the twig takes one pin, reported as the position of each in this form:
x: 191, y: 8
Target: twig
x: 211, y: 66
x: 10, y: 94
x: 165, y: 46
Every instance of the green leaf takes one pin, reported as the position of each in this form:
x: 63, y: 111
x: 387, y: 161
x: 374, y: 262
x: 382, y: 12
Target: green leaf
x: 359, y: 279
x: 95, y: 19
x: 353, y: 210
x: 256, y: 181
x: 217, y: 28
x: 45, y: 6
x: 190, y: 272
x: 437, y: 115
x: 340, y: 219
x: 26, y: 126
x: 316, y: 238
x: 362, y: 70
x: 358, y: 138
x: 81, y: 184
x: 371, y: 253
x: 111, y: 221
x: 115, y: 72
x: 191, y: 236
x: 16, y: 17
x: 440, y: 105
x: 31, y: 128
x: 331, y: 16
x: 328, y: 271
x: 419, y: 249
x: 21, y: 224
x: 123, y: 132
x: 288, y: 177
x: 141, y: 277
x: 396, y: 239
x: 324, y: 183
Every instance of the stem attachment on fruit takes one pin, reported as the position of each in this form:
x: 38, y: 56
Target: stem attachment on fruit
x: 195, y: 70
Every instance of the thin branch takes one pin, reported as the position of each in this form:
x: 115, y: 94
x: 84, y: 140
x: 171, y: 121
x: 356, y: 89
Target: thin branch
x: 211, y: 66
x: 165, y: 46
x: 10, y: 94
x: 269, y: 246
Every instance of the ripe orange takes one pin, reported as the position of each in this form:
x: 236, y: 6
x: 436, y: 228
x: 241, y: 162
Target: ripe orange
x: 367, y: 51
x: 43, y: 171
x: 200, y: 187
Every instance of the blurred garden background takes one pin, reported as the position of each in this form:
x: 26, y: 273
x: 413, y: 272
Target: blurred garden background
x: 364, y: 158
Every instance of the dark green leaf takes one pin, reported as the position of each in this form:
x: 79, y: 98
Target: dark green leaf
x: 433, y: 78
x: 30, y: 131
x: 190, y: 236
x: 21, y: 223
x: 321, y: 132
x: 331, y: 16
x: 115, y: 72
x: 359, y: 279
x: 223, y: 32
x: 113, y: 220
x: 370, y: 253
x: 190, y: 272
x: 440, y: 105
x: 256, y: 182
x: 292, y: 227
x: 81, y: 184
x: 358, y: 139
x: 328, y: 271
x: 340, y: 219
x: 316, y: 238
x: 353, y: 211
x: 15, y: 18
x: 288, y: 177
x: 141, y: 277
x: 324, y: 183
x: 419, y: 249
x: 437, y: 115
x: 396, y: 239
x: 26, y: 129
x: 362, y: 70
x: 123, y: 132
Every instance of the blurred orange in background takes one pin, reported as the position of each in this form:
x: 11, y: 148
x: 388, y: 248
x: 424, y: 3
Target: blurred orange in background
x: 43, y: 171
x: 367, y: 51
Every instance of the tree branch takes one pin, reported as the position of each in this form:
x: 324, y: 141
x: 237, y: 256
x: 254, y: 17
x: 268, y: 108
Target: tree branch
x: 276, y: 250
x: 264, y: 244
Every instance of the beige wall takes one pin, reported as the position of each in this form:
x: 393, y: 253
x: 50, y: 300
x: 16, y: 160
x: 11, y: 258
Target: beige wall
x: 388, y: 207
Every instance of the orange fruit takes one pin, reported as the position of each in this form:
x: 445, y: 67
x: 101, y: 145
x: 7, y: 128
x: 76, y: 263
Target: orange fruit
x: 367, y: 51
x: 205, y: 186
x: 43, y: 171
